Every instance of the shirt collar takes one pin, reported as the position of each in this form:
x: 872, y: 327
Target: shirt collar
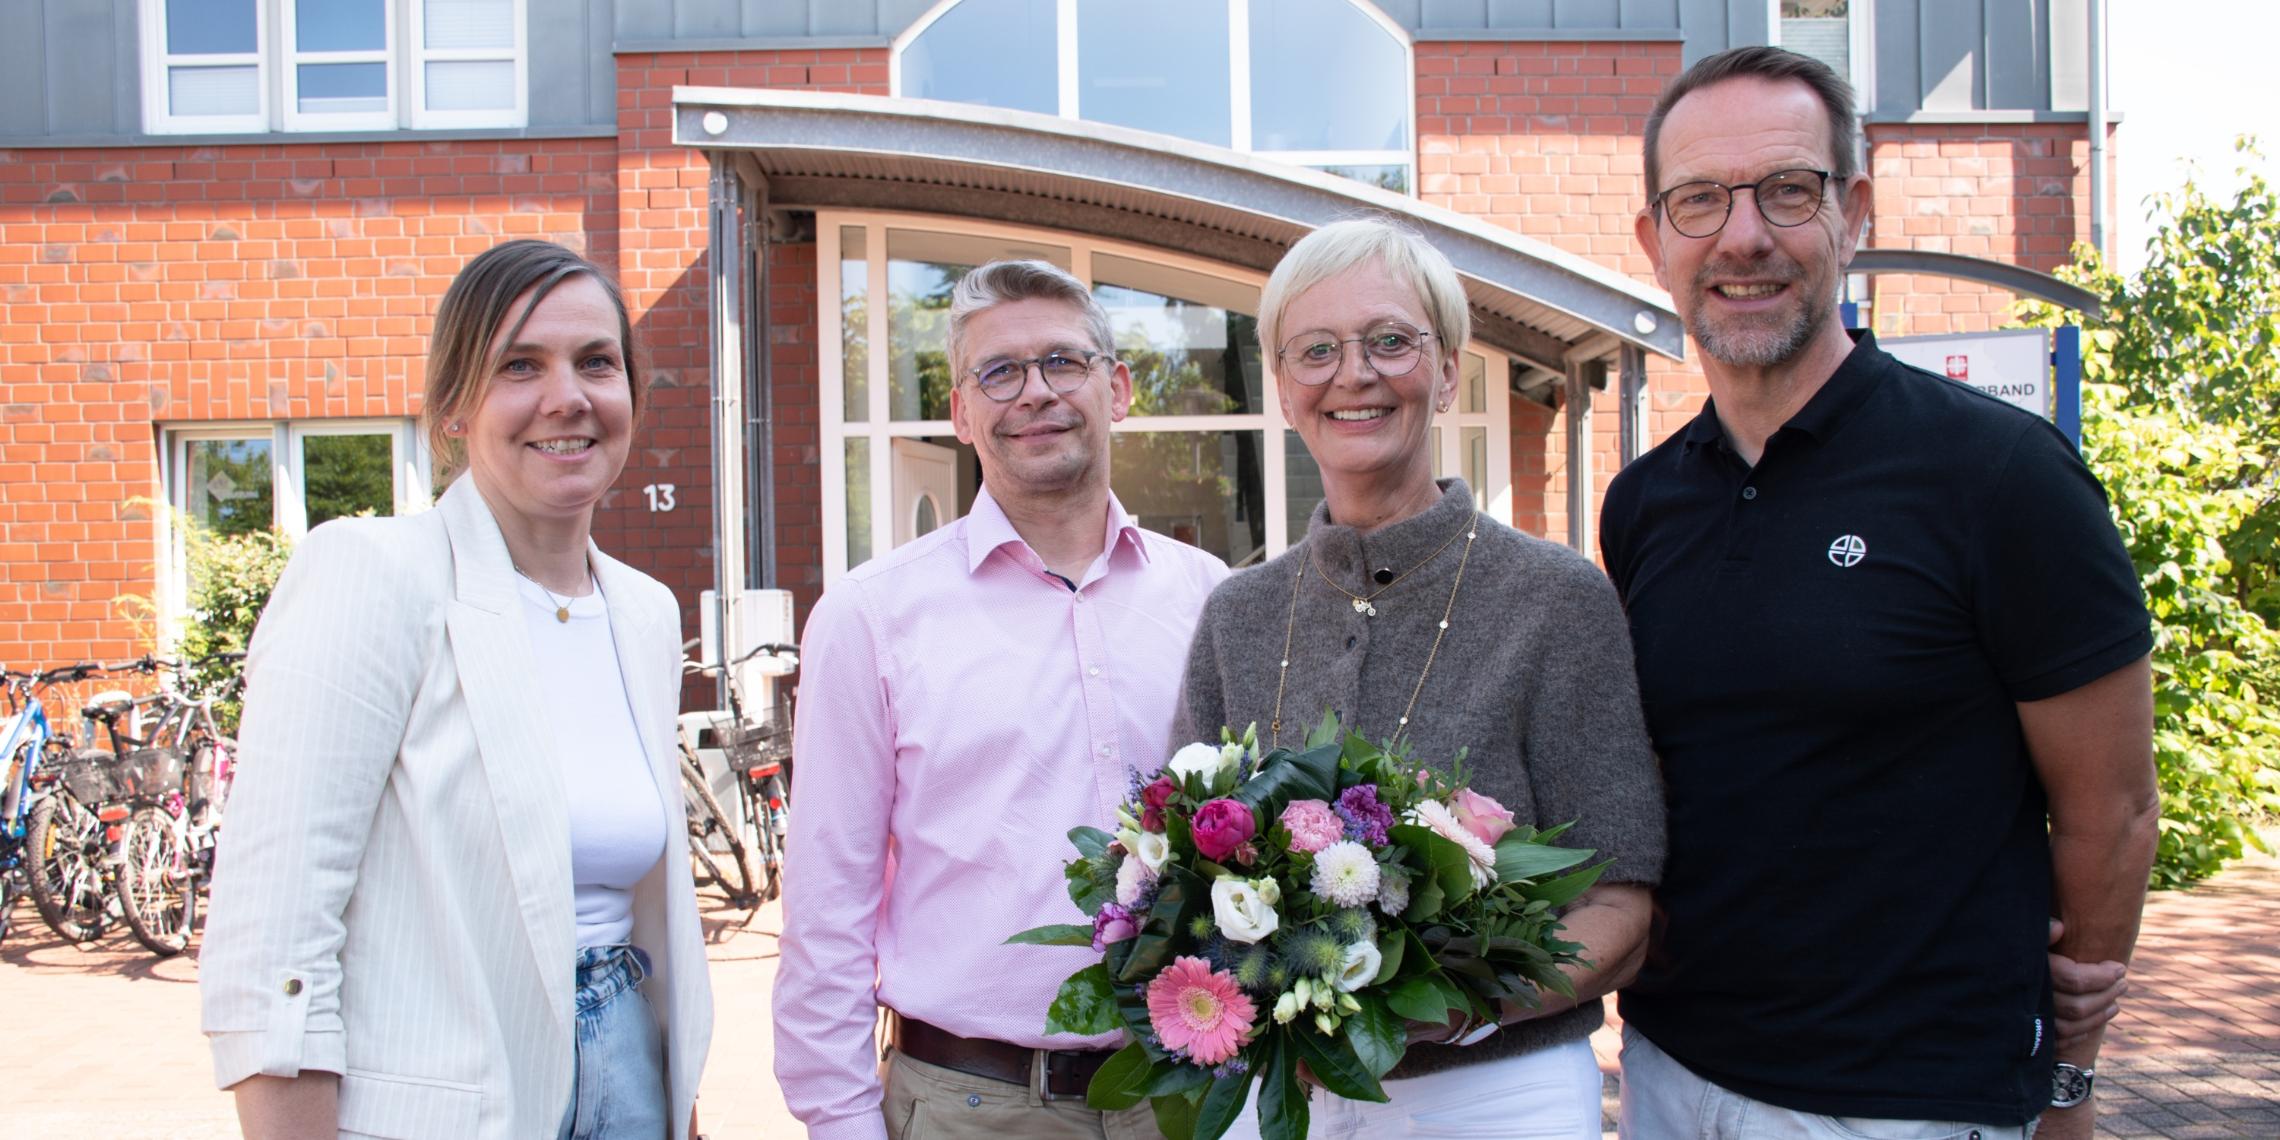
x: 988, y: 529
x: 1844, y: 392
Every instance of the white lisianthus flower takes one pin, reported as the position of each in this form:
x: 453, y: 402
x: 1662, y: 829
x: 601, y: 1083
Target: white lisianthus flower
x: 1346, y: 874
x: 1230, y: 757
x: 1393, y: 890
x: 1245, y: 908
x: 1436, y: 816
x: 1358, y: 968
x: 1133, y: 878
x: 1151, y: 849
x: 1199, y: 760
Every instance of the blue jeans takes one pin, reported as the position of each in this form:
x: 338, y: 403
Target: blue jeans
x: 617, y: 1091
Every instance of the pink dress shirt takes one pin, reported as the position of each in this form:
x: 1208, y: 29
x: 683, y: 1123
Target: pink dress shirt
x: 960, y: 710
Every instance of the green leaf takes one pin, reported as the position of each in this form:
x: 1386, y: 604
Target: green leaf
x: 1282, y: 1104
x: 1379, y: 1037
x: 1175, y: 1115
x: 1523, y: 859
x: 1179, y: 895
x: 1222, y: 1105
x: 1333, y: 1063
x: 1058, y: 934
x: 1447, y: 864
x: 1284, y: 776
x: 1086, y: 1005
x: 1122, y: 1080
x: 1418, y: 999
x: 1563, y: 890
x: 1391, y: 944
x: 1326, y: 732
x: 1091, y: 842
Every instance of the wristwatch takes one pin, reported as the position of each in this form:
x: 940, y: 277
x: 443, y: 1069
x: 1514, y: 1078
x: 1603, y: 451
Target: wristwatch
x: 2070, y: 1085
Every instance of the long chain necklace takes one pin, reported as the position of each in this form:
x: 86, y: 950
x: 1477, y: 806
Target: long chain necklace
x: 561, y: 605
x: 1363, y: 603
x: 1290, y: 628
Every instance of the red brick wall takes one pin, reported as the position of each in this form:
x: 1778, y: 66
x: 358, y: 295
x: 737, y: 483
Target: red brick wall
x: 167, y: 285
x: 1544, y: 138
x: 2016, y: 193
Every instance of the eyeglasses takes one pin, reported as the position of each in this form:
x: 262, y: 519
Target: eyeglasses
x: 1312, y: 358
x: 1785, y: 198
x: 1064, y: 372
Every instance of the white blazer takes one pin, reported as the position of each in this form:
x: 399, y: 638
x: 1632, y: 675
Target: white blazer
x: 392, y: 898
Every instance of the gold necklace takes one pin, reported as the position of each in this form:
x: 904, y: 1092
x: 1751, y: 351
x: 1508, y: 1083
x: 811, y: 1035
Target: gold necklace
x: 1290, y: 628
x: 1363, y: 602
x: 561, y: 605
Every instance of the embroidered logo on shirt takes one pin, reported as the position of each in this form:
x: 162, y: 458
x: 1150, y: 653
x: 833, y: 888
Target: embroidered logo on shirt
x: 1848, y: 550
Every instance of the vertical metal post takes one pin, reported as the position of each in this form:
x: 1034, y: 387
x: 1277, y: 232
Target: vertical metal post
x: 725, y: 258
x: 1577, y: 397
x: 761, y: 428
x: 2066, y: 382
x: 1632, y: 363
x: 2098, y: 128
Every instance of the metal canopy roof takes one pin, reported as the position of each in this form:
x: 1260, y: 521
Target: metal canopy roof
x: 1540, y: 303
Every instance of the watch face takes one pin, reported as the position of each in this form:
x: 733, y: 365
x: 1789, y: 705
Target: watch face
x: 2068, y: 1086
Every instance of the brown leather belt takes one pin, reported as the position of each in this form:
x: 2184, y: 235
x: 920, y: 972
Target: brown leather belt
x: 1053, y: 1074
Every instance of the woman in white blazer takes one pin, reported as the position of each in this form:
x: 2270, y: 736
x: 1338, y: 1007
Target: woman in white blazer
x: 452, y: 901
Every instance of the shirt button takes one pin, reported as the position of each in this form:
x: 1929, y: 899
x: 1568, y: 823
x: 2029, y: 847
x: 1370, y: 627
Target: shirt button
x: 1349, y: 643
x: 1092, y: 670
x: 1749, y: 492
x: 973, y: 1100
x: 1108, y: 750
x: 292, y: 987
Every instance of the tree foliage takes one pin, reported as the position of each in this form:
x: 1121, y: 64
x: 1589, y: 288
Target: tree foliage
x: 231, y: 576
x: 2181, y: 419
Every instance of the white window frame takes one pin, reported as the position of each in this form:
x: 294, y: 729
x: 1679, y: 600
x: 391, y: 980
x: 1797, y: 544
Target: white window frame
x: 1860, y: 48
x: 879, y: 428
x: 1239, y: 83
x: 276, y: 63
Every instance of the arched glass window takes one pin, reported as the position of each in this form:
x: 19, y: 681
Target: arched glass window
x: 1320, y: 83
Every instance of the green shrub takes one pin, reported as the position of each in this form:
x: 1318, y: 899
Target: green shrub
x: 231, y: 576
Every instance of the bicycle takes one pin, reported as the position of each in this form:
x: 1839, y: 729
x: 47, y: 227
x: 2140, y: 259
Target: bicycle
x: 759, y: 758
x: 174, y: 780
x: 50, y: 838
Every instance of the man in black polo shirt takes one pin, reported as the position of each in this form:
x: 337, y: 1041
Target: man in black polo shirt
x: 1894, y: 658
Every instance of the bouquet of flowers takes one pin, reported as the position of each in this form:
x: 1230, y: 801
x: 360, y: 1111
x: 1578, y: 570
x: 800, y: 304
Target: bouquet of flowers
x: 1258, y: 913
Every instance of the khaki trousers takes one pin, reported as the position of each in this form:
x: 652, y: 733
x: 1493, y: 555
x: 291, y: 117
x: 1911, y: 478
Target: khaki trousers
x: 929, y: 1102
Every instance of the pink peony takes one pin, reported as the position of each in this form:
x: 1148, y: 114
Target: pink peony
x: 1312, y: 825
x: 1221, y: 826
x: 1152, y: 801
x: 1482, y: 816
x: 1199, y: 1010
x: 1112, y: 924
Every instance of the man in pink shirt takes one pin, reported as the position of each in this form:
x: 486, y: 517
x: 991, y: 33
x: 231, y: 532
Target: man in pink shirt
x: 965, y: 700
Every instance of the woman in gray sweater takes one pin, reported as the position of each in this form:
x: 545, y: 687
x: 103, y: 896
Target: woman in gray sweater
x: 1408, y: 613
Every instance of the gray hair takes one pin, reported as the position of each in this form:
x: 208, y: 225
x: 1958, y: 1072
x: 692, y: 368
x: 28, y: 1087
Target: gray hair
x: 1342, y: 245
x: 1004, y: 282
x: 1774, y: 65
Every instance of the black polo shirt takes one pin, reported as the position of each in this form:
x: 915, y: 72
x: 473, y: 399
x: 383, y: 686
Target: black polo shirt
x: 1852, y: 919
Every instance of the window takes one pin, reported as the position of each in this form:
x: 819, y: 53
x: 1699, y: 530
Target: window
x: 1834, y: 32
x: 1326, y: 84
x: 1204, y: 456
x: 332, y: 65
x: 239, y: 478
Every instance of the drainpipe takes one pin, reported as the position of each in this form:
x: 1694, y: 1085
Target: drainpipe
x: 2098, y: 128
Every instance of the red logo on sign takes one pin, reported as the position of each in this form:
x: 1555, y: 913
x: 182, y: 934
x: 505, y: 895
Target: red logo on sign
x: 1959, y: 367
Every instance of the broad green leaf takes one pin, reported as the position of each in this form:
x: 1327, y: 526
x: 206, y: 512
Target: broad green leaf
x: 1059, y: 934
x: 1177, y: 1078
x: 1391, y: 944
x: 1563, y: 890
x: 1326, y: 732
x: 1179, y: 896
x: 1418, y: 999
x: 1222, y: 1106
x: 1122, y: 1080
x: 1379, y: 1037
x: 1176, y: 1115
x: 1333, y: 1063
x: 1091, y: 842
x: 1282, y: 1104
x: 1285, y: 776
x: 1521, y: 859
x: 1086, y: 1005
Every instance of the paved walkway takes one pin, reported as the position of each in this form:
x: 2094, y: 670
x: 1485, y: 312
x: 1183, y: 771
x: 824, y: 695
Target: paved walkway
x: 104, y: 1041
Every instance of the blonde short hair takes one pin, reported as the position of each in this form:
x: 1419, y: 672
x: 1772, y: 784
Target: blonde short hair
x: 1342, y: 245
x: 474, y: 310
x: 1004, y: 282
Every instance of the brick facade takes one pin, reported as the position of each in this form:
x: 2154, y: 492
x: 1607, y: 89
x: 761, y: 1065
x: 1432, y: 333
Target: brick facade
x: 164, y: 286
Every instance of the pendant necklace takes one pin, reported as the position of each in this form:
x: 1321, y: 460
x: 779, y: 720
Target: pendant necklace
x: 561, y: 605
x: 1290, y: 629
x: 1365, y: 604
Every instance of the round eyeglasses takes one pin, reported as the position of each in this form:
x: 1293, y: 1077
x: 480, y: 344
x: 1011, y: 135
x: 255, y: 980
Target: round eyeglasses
x: 1312, y: 358
x: 1064, y: 372
x: 1785, y: 198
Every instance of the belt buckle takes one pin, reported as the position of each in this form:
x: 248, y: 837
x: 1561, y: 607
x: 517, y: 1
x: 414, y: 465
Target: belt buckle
x: 1040, y: 1069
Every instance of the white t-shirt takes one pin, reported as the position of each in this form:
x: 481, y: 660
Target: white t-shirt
x: 618, y: 824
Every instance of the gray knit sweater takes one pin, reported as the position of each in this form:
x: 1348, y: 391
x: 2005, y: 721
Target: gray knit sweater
x: 1534, y: 679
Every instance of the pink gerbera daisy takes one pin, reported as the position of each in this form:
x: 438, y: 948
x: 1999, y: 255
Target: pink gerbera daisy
x: 1199, y: 1010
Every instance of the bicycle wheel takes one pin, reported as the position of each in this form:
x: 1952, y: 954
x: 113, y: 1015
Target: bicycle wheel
x: 156, y: 888
x: 763, y: 830
x: 713, y: 843
x: 64, y: 865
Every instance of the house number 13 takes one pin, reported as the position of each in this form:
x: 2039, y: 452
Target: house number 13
x: 660, y: 496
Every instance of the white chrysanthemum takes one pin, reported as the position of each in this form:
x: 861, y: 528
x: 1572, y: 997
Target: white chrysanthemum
x: 1133, y: 878
x: 1358, y: 967
x: 1393, y: 890
x: 1443, y: 822
x: 1346, y: 874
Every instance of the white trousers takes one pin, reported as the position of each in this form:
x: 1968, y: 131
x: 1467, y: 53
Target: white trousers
x: 1549, y: 1094
x: 1664, y: 1100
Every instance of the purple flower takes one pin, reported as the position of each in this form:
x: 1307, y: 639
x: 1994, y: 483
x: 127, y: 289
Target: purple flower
x: 1366, y: 818
x: 1112, y: 924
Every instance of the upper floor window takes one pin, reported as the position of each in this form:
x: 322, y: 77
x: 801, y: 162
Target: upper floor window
x: 1320, y: 83
x: 1832, y: 31
x: 332, y: 65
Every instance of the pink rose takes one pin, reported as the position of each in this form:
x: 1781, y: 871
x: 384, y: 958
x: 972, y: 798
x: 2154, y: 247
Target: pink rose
x: 1484, y: 817
x: 1221, y: 827
x: 1152, y: 801
x: 1312, y: 825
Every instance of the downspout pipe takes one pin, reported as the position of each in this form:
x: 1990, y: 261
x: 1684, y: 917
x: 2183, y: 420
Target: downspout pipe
x: 2098, y: 238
